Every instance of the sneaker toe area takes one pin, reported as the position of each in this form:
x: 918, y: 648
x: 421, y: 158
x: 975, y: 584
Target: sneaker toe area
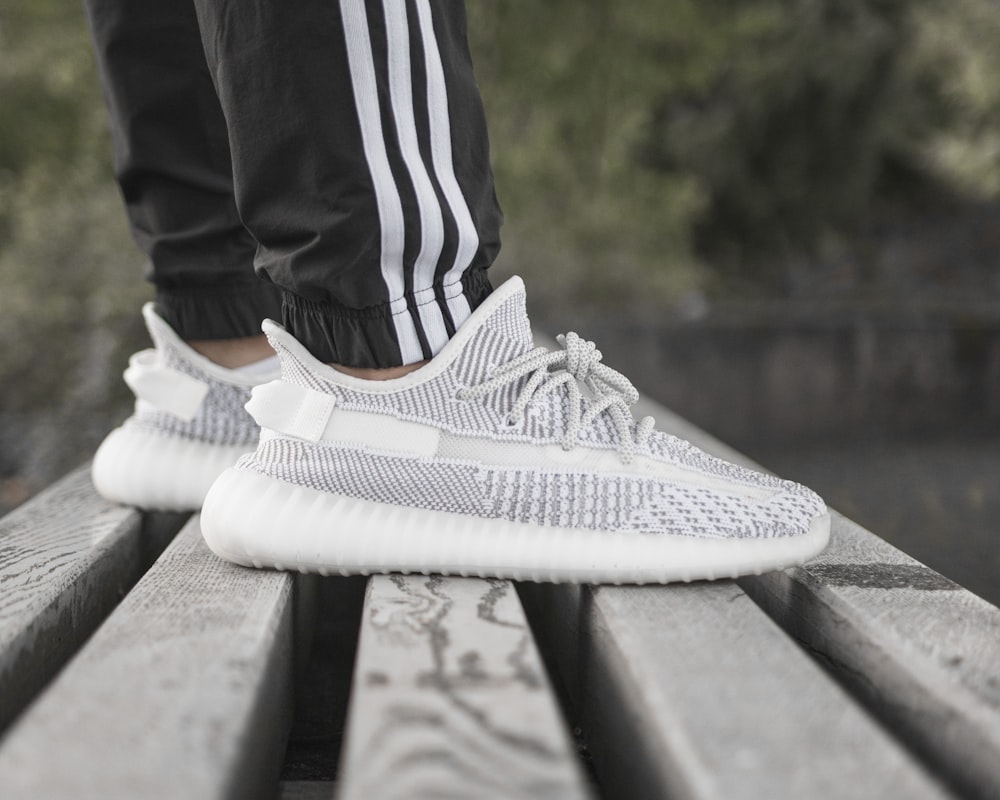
x: 786, y: 509
x: 797, y: 507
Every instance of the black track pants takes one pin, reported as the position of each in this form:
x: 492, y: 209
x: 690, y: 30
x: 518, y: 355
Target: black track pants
x: 338, y: 147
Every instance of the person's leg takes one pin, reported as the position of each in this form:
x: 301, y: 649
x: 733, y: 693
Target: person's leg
x: 172, y: 162
x: 361, y: 168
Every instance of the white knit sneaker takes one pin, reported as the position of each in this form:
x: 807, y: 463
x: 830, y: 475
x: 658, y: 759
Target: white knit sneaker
x: 189, y: 425
x: 494, y: 459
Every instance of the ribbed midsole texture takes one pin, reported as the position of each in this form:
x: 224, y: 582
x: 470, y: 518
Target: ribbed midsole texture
x: 164, y: 473
x: 256, y: 520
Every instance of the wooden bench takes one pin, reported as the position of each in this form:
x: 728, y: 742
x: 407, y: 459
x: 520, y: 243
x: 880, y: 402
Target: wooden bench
x: 134, y: 664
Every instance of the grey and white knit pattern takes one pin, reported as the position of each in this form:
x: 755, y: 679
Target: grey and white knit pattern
x: 423, y: 483
x: 664, y: 447
x: 591, y: 501
x: 560, y: 496
x: 221, y: 420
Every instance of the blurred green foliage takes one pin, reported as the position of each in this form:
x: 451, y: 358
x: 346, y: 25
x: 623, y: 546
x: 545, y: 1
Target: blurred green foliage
x: 648, y: 146
x: 70, y: 276
x: 67, y: 264
x: 643, y: 149
x: 959, y: 44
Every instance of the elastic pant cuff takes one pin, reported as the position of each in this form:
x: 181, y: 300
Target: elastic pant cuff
x: 365, y: 337
x: 219, y: 312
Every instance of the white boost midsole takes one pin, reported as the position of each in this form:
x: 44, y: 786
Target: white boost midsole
x: 259, y: 521
x: 154, y: 471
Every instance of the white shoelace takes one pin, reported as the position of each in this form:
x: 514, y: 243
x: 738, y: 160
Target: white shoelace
x: 578, y: 362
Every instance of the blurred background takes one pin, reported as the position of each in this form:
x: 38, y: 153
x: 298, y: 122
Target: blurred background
x: 781, y: 218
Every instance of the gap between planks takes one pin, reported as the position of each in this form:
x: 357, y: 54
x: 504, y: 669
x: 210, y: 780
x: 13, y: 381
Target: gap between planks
x: 691, y: 691
x: 184, y: 692
x: 450, y: 698
x: 67, y: 557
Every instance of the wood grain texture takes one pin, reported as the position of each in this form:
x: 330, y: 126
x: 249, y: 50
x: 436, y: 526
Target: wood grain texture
x: 691, y: 691
x: 450, y: 698
x: 66, y: 558
x: 184, y: 692
x: 920, y: 651
x: 923, y: 653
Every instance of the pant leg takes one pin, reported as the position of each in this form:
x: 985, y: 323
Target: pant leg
x: 172, y: 162
x: 361, y: 167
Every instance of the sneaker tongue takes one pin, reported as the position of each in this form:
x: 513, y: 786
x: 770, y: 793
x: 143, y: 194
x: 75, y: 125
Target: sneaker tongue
x: 500, y: 328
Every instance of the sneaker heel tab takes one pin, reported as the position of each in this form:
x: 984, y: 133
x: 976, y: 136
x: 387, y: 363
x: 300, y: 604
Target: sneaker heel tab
x: 291, y: 410
x: 281, y: 340
x: 152, y: 316
x: 160, y: 331
x: 269, y: 326
x: 288, y: 347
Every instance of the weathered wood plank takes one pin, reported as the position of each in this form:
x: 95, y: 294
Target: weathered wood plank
x: 690, y: 691
x: 923, y: 653
x: 450, y: 698
x: 184, y: 692
x: 920, y: 651
x: 66, y: 558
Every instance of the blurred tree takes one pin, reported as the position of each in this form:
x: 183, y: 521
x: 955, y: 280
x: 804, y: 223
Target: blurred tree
x: 791, y: 133
x: 655, y: 145
x: 569, y: 89
x: 959, y: 42
x: 70, y: 274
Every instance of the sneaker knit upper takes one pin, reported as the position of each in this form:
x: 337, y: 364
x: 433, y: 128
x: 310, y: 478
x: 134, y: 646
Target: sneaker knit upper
x: 491, y: 462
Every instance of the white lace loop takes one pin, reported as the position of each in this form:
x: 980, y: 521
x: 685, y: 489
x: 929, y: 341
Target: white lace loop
x: 578, y: 362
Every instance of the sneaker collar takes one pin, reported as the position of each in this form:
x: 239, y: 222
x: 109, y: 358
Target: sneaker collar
x: 288, y: 347
x: 166, y: 338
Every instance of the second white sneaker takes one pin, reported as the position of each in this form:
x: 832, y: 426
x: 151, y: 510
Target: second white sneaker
x: 494, y: 459
x: 189, y: 424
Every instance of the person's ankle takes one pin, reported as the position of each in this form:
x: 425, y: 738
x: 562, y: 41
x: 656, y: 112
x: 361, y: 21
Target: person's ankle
x: 380, y: 374
x: 233, y: 353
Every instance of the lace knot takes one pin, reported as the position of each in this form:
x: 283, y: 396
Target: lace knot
x: 581, y: 354
x: 578, y: 362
